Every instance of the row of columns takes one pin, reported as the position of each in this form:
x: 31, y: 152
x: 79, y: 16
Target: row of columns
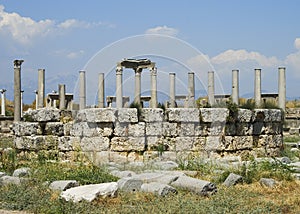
x: 257, y: 87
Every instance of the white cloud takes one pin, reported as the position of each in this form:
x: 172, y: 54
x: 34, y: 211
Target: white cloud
x: 73, y: 23
x: 68, y: 54
x: 297, y: 43
x: 235, y: 56
x: 164, y: 30
x: 74, y: 55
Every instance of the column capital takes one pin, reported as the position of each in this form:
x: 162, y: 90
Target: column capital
x: 119, y: 70
x: 153, y: 71
x: 2, y: 90
x: 18, y: 63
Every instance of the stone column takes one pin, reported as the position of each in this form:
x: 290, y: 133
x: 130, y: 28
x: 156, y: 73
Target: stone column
x: 82, y: 90
x: 2, y: 91
x: 257, y: 87
x: 172, y: 90
x: 62, y: 96
x: 22, y: 91
x: 101, y: 91
x: 191, y: 90
x: 153, y: 73
x: 137, y: 89
x: 17, y: 90
x: 54, y: 100
x: 235, y: 87
x: 211, y: 88
x: 119, y: 87
x: 281, y: 88
x: 41, y: 88
x: 36, y: 98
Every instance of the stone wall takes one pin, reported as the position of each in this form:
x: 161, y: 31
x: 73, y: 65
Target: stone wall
x: 120, y: 135
x: 292, y: 121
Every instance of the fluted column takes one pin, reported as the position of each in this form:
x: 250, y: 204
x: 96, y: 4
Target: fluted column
x: 119, y: 87
x: 101, y: 102
x: 211, y: 88
x: 17, y: 90
x: 235, y: 86
x: 41, y: 88
x: 82, y: 90
x: 257, y: 87
x: 153, y: 73
x: 172, y: 90
x: 281, y: 88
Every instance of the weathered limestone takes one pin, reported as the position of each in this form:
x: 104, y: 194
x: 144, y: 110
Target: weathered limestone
x: 21, y: 172
x: 63, y: 185
x: 119, y: 87
x: 153, y: 101
x: 281, y: 88
x: 41, y: 88
x: 267, y: 182
x: 232, y: 180
x: 235, y: 86
x: 257, y: 87
x: 129, y: 184
x: 172, y: 90
x: 137, y: 89
x: 36, y: 98
x: 82, y: 90
x: 2, y: 91
x: 101, y: 101
x: 62, y: 96
x: 191, y: 90
x: 17, y: 90
x: 211, y: 88
x: 22, y: 91
x: 158, y: 188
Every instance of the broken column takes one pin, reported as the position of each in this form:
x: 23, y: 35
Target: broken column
x: 172, y: 90
x: 2, y: 91
x: 191, y: 90
x: 281, y: 88
x: 62, y: 96
x: 153, y: 73
x: 211, y: 88
x: 17, y: 90
x: 257, y: 87
x: 137, y: 89
x: 119, y: 87
x: 235, y: 86
x: 41, y: 88
x: 36, y: 98
x: 82, y: 90
x: 101, y: 91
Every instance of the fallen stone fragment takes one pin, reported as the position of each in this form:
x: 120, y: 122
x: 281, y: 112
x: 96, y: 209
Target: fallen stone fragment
x: 90, y: 192
x: 6, y: 180
x: 63, y: 185
x: 159, y: 177
x: 158, y: 189
x: 21, y: 172
x: 166, y: 165
x: 268, y: 182
x: 232, y: 180
x: 197, y: 186
x: 122, y: 174
x: 129, y: 184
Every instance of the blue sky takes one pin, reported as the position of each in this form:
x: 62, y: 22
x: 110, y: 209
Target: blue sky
x: 66, y: 36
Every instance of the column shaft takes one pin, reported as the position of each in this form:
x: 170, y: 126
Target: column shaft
x: 191, y: 90
x: 172, y: 90
x: 82, y: 90
x: 41, y: 88
x: 211, y: 88
x: 17, y: 90
x: 235, y: 87
x: 119, y: 88
x: 3, y: 102
x: 153, y: 73
x: 62, y: 96
x: 101, y: 91
x: 257, y: 87
x: 281, y: 88
x: 137, y: 90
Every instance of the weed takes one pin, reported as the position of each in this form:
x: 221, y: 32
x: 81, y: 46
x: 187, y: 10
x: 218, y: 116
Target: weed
x: 249, y: 104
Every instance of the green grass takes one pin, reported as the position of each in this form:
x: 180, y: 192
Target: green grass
x: 291, y: 139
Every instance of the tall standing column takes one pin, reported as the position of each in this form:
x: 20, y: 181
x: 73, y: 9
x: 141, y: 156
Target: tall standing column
x: 257, y: 87
x: 137, y: 90
x: 235, y: 86
x: 211, y: 88
x: 41, y: 88
x: 191, y: 90
x: 62, y: 96
x: 17, y: 90
x: 119, y: 87
x: 101, y: 91
x: 2, y: 91
x: 82, y: 90
x: 172, y: 90
x: 153, y: 73
x: 281, y: 88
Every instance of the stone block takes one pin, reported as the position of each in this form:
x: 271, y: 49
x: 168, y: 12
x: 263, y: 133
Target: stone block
x: 128, y: 144
x: 243, y: 142
x: 273, y: 128
x: 244, y: 115
x: 36, y: 142
x: 294, y: 131
x: 216, y: 128
x: 22, y: 172
x: 154, y: 129
x: 213, y: 143
x: 98, y: 158
x: 269, y: 141
x: 161, y: 144
x: 42, y: 115
x: 127, y: 115
x: 118, y: 157
x: 170, y: 129
x: 26, y: 128
x: 90, y: 144
x: 210, y: 115
x: 199, y: 144
x: 244, y: 129
x: 134, y: 157
x: 152, y: 115
x: 63, y: 185
x: 54, y: 128
x: 97, y: 115
x: 184, y: 143
x: 183, y: 114
x: 230, y: 129
x: 67, y: 143
x: 67, y: 128
x: 267, y: 115
x: 232, y: 180
x: 186, y: 129
x: 202, y: 129
x: 128, y: 129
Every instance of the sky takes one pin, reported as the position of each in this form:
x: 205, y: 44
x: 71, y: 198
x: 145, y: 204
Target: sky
x: 64, y: 37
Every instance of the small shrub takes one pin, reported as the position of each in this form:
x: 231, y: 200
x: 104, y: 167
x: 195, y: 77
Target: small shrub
x: 233, y: 111
x: 249, y: 104
x: 269, y: 105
